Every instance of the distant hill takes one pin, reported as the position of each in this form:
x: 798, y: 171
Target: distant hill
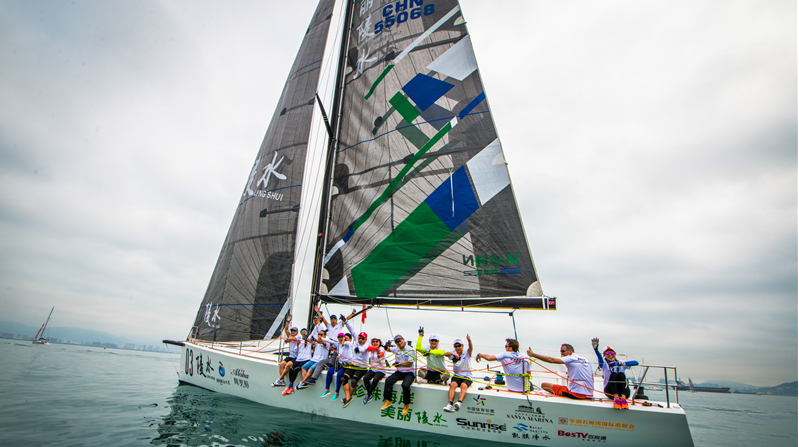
x: 68, y: 333
x: 785, y: 389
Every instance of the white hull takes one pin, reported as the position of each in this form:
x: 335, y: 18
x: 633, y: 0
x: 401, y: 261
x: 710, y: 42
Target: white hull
x: 489, y: 414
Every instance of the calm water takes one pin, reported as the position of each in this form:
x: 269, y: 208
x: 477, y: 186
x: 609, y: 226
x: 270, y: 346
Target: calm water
x: 80, y: 396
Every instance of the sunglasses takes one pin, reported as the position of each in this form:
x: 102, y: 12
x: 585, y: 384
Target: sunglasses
x: 563, y: 350
x: 458, y: 345
x: 610, y: 353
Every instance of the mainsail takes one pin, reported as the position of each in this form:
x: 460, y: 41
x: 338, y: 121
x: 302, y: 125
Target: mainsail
x: 251, y: 283
x: 422, y: 211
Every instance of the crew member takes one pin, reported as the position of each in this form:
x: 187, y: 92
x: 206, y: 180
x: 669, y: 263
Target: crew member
x: 404, y: 357
x: 581, y: 378
x: 461, y: 373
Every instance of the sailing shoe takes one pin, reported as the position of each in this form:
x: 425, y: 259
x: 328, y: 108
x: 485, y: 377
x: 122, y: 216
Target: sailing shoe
x: 367, y: 399
x: 278, y: 382
x: 386, y: 404
x: 325, y: 393
x: 288, y: 390
x: 617, y: 404
x: 458, y: 406
x: 624, y: 405
x: 335, y: 396
x: 347, y: 402
x: 302, y: 386
x: 449, y: 408
x: 311, y: 381
x: 405, y: 409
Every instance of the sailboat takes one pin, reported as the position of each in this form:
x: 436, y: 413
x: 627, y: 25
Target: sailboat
x: 415, y: 211
x: 39, y: 339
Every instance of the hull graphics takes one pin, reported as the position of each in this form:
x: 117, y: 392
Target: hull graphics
x: 489, y: 415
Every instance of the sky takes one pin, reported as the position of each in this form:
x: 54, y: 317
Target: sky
x: 652, y: 148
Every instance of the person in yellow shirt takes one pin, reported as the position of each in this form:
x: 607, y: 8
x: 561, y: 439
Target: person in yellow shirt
x: 436, y: 370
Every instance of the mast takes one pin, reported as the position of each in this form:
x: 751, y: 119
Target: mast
x: 44, y: 326
x: 321, y: 237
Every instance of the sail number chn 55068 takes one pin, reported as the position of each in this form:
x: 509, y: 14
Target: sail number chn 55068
x: 402, y: 11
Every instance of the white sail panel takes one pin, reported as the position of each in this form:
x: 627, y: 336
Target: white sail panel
x: 489, y: 172
x: 458, y: 62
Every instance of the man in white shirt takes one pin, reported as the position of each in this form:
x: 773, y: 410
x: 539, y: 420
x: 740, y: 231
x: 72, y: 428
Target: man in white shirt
x: 461, y: 373
x: 515, y: 365
x: 404, y: 358
x: 288, y: 361
x: 581, y: 378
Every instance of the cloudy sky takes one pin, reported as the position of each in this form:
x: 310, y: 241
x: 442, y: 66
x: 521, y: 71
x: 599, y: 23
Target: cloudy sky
x: 652, y: 146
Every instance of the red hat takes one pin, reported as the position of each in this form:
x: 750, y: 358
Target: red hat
x: 362, y: 334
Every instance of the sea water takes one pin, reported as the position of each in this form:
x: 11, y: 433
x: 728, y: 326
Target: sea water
x: 69, y: 395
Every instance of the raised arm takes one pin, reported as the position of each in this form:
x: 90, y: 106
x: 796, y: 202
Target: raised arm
x: 595, y: 345
x: 321, y: 316
x: 489, y: 357
x: 349, y: 327
x: 350, y: 316
x: 471, y: 348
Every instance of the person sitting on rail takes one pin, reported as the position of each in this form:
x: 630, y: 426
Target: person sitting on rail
x: 346, y: 352
x: 515, y: 365
x: 288, y: 360
x: 436, y: 370
x: 359, y: 366
x: 613, y: 371
x: 581, y: 378
x: 331, y: 360
x: 304, y: 354
x: 404, y: 358
x: 320, y: 354
x: 376, y: 362
x: 461, y: 373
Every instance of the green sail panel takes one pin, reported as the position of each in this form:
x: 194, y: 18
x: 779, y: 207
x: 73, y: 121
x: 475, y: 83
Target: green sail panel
x: 423, y: 210
x: 250, y: 286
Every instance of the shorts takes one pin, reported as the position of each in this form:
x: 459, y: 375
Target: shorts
x: 563, y: 391
x: 461, y: 380
x: 433, y: 376
x: 309, y: 365
x: 349, y: 371
x: 289, y: 359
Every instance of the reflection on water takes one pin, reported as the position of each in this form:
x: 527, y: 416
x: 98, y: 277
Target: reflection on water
x: 199, y: 417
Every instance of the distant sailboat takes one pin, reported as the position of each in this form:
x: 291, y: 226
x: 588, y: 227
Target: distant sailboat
x: 39, y: 339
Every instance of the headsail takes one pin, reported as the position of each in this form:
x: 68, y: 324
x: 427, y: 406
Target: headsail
x: 251, y: 283
x: 422, y: 210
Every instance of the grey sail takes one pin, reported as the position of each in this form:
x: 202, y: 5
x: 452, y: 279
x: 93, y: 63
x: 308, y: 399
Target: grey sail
x: 251, y: 282
x: 422, y: 210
